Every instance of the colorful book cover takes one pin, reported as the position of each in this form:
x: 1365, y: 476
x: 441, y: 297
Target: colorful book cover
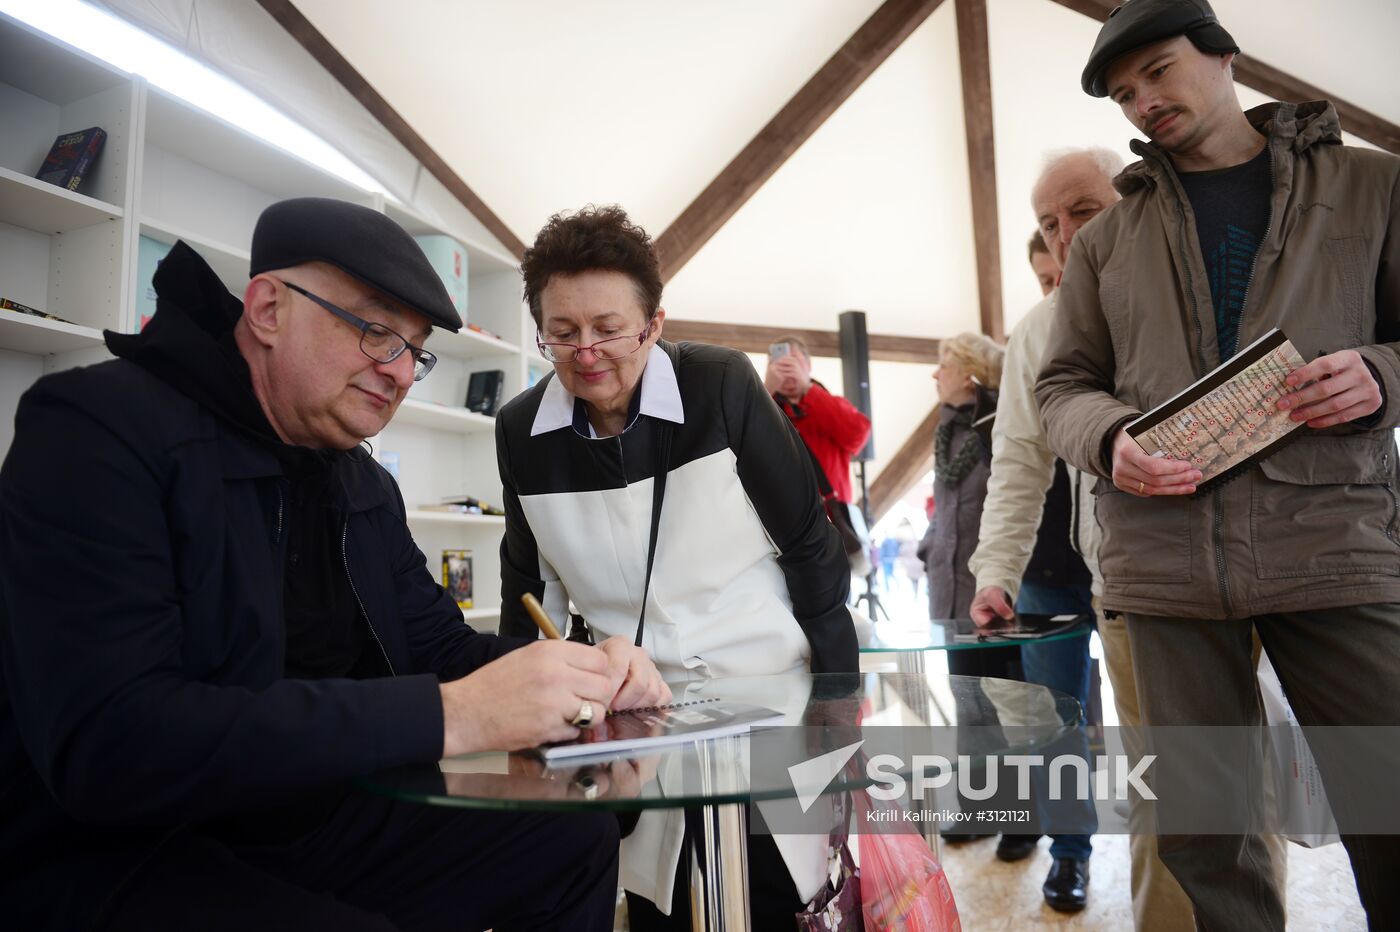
x: 1228, y: 420
x: 7, y: 305
x: 637, y: 731
x: 457, y: 576
x: 71, y: 156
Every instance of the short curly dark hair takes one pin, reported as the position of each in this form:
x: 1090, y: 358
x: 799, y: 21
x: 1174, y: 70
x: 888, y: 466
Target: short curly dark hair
x: 600, y: 238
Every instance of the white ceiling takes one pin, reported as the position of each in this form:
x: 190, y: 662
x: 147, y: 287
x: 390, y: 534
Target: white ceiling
x: 551, y: 104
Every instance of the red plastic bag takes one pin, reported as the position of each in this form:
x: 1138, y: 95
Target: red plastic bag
x: 902, y: 886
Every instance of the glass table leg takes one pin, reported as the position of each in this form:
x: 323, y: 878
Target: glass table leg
x: 910, y: 661
x: 719, y: 874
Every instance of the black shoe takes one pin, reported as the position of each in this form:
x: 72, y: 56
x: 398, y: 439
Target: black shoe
x: 956, y: 837
x: 1016, y: 847
x: 1066, y: 886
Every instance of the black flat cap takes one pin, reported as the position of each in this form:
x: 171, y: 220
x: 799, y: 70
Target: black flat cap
x: 1142, y: 22
x: 361, y: 242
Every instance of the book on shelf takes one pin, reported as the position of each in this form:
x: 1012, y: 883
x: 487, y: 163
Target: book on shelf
x: 70, y: 157
x: 636, y: 731
x: 1228, y: 420
x: 7, y: 305
x: 456, y: 508
x: 483, y: 331
x: 457, y: 576
x: 476, y: 506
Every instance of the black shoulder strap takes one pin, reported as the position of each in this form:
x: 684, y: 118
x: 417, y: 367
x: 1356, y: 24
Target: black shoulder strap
x: 658, y: 493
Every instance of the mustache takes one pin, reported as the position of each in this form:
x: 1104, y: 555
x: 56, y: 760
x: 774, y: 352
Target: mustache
x: 1152, y: 127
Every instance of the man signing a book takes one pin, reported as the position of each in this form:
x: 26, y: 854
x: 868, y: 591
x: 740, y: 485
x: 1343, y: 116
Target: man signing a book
x: 213, y: 618
x: 1231, y: 224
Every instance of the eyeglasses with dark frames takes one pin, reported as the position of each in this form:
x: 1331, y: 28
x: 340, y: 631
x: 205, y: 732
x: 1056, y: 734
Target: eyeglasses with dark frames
x: 377, y: 341
x: 611, y: 348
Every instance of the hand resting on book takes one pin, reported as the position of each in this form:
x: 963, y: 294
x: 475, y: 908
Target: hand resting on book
x: 1343, y: 389
x: 1139, y: 474
x: 635, y: 679
x: 991, y: 603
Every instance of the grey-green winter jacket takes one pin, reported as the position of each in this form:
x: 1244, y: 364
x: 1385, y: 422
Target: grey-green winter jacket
x: 1313, y: 526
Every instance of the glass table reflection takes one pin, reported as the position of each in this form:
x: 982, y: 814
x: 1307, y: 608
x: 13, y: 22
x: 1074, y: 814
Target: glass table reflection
x: 716, y: 775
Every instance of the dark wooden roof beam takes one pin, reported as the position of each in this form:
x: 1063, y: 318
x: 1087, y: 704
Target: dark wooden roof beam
x: 750, y: 338
x: 311, y: 39
x: 910, y: 463
x: 974, y: 58
x: 845, y: 71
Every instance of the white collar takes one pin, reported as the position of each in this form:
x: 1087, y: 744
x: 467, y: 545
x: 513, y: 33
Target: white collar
x: 660, y: 396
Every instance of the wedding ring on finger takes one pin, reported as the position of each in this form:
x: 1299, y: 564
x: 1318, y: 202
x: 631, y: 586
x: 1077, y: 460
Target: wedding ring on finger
x: 1141, y: 485
x: 584, y: 718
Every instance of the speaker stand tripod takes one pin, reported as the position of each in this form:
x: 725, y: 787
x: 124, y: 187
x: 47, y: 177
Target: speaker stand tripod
x: 873, y: 609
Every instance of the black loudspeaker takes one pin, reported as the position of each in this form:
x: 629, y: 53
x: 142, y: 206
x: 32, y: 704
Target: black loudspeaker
x: 484, y: 391
x: 855, y: 371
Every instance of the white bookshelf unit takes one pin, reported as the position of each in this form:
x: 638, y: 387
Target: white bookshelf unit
x: 170, y: 171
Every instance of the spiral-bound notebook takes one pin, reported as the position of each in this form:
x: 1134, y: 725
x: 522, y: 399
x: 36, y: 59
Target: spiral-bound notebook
x: 639, y: 730
x: 1229, y: 420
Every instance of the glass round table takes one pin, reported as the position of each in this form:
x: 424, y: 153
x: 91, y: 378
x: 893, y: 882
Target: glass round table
x: 908, y: 641
x: 720, y: 777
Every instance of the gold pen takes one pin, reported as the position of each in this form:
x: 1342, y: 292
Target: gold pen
x: 537, y: 615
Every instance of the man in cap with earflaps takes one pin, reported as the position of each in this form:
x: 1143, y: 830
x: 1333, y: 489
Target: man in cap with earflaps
x: 213, y: 618
x: 1231, y: 224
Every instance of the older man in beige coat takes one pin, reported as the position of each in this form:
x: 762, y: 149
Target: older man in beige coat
x: 1072, y: 189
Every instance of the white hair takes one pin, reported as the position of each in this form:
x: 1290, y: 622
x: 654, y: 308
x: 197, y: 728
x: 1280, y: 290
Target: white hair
x: 1105, y: 160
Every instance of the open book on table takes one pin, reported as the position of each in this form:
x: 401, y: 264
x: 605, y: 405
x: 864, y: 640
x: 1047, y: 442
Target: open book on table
x: 640, y: 730
x: 1228, y: 420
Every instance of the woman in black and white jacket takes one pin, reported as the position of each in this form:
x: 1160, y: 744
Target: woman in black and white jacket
x: 748, y: 578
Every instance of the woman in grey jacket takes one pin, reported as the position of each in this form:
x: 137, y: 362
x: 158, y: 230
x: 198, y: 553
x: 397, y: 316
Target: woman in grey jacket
x: 969, y: 372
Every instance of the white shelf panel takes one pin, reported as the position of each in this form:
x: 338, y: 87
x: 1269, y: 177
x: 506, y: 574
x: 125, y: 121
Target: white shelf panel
x: 25, y: 333
x: 468, y: 344
x: 442, y: 417
x: 45, y: 208
x: 203, y: 138
x: 228, y: 262
x: 41, y: 65
x: 453, y: 517
x: 472, y: 614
